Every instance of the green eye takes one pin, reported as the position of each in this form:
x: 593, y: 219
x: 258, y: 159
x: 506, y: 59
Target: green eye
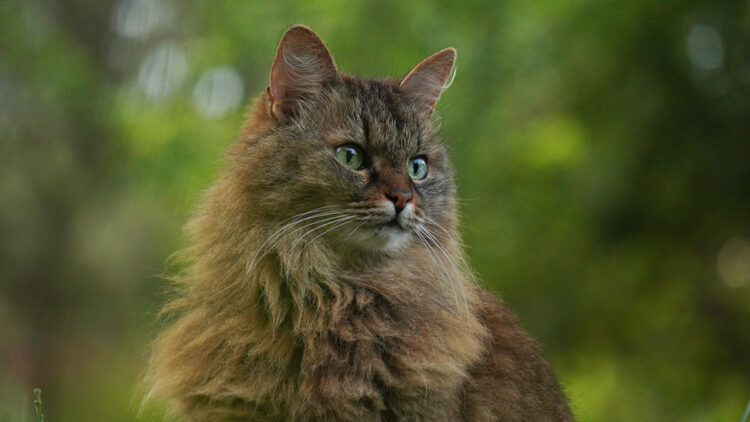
x: 350, y: 156
x: 417, y: 168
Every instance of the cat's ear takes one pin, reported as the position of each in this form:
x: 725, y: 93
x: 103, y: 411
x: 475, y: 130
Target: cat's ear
x: 302, y: 66
x: 429, y: 79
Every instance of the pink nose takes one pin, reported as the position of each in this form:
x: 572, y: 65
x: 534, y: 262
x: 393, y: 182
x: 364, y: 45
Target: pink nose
x: 399, y: 198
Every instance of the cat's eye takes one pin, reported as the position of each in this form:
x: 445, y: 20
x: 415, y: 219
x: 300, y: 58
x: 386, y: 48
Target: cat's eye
x: 417, y: 168
x: 351, y: 156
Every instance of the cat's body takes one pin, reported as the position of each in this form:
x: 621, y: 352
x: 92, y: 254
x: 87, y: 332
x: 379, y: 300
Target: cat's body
x: 317, y: 290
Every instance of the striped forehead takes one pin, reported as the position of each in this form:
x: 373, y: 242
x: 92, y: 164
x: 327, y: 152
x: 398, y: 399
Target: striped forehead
x: 387, y: 125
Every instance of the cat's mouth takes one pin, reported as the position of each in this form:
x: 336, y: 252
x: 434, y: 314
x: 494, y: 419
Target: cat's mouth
x: 383, y: 229
x: 394, y: 223
x: 386, y: 235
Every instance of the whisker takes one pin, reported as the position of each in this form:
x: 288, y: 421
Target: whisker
x: 338, y: 222
x: 448, y: 235
x: 326, y: 207
x: 341, y: 223
x: 450, y: 259
x: 279, y: 234
x: 351, y: 232
x: 315, y: 226
x: 437, y: 261
x: 330, y: 221
x: 464, y: 264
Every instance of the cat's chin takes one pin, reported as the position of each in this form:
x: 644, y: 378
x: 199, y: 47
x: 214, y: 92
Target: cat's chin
x: 386, y: 238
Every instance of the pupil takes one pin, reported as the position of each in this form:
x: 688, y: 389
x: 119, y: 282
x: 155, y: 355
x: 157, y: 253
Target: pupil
x: 349, y: 155
x: 415, y: 167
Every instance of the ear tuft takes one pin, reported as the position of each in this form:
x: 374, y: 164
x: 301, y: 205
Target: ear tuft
x: 302, y: 66
x: 430, y: 78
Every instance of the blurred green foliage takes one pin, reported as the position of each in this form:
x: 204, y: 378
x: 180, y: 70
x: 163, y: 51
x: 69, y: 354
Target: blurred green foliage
x: 602, y: 152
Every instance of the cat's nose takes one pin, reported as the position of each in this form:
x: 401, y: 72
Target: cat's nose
x: 399, y: 198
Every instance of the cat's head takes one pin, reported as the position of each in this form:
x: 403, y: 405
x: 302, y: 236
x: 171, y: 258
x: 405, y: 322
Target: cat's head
x: 351, y: 161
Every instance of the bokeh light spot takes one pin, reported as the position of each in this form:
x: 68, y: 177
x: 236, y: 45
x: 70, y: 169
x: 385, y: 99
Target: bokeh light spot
x: 138, y: 18
x: 704, y: 47
x: 163, y: 71
x: 733, y: 262
x: 218, y: 92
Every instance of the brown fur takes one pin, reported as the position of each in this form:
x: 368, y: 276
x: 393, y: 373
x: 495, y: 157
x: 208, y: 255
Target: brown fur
x: 278, y: 321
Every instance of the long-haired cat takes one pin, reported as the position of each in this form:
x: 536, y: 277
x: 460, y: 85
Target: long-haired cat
x: 325, y: 281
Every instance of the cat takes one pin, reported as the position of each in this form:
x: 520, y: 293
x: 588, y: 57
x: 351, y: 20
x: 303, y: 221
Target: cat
x: 325, y: 280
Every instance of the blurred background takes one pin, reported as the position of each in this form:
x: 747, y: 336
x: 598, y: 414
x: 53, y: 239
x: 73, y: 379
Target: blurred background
x: 602, y: 152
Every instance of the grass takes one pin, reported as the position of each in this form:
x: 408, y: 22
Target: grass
x: 38, y: 404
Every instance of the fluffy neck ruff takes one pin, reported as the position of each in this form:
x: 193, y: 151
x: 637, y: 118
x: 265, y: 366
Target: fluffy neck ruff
x: 293, y: 331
